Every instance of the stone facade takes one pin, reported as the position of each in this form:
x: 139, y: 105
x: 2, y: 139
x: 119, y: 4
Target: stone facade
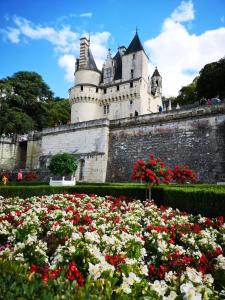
x: 122, y: 89
x: 88, y: 141
x: 106, y: 149
x: 194, y: 137
x: 8, y: 153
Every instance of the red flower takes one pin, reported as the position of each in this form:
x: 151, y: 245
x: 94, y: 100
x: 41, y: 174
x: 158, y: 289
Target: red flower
x: 34, y: 268
x: 151, y: 268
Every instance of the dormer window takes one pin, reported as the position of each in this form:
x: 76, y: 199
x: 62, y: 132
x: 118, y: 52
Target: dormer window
x: 117, y: 87
x: 108, y: 73
x: 81, y: 88
x: 131, y: 84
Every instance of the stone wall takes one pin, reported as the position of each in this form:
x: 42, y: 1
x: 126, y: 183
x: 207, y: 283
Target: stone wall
x: 88, y: 141
x: 193, y: 137
x: 8, y: 153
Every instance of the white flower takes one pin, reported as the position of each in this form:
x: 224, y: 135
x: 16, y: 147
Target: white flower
x: 189, y: 292
x: 160, y: 287
x: 194, y: 275
x: 172, y: 296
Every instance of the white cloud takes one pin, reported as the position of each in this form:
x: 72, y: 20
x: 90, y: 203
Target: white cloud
x: 184, y: 12
x: 13, y: 35
x: 180, y: 55
x: 86, y: 15
x: 67, y: 62
x: 65, y: 41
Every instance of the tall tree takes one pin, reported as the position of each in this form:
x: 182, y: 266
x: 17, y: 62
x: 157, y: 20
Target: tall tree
x: 211, y: 81
x: 187, y: 94
x: 26, y: 97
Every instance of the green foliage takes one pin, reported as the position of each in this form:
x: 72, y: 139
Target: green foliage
x: 58, y: 112
x: 211, y: 80
x: 188, y: 94
x: 14, y: 120
x: 209, y: 84
x: 62, y: 164
x: 27, y: 103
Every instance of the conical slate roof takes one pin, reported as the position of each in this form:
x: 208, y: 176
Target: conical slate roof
x: 118, y: 66
x: 156, y: 73
x: 135, y: 45
x: 91, y: 65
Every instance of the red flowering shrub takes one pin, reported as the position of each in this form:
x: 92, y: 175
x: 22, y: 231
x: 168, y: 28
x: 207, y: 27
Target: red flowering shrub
x: 152, y: 171
x: 183, y: 174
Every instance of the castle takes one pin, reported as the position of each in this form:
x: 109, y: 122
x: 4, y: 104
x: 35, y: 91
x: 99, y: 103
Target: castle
x: 115, y: 120
x: 122, y: 89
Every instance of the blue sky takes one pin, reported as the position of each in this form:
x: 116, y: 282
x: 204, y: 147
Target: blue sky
x: 180, y: 37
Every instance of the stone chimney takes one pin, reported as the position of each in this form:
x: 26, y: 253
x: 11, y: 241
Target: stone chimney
x: 84, y: 46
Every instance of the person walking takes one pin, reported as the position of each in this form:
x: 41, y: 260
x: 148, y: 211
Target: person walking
x: 19, y: 176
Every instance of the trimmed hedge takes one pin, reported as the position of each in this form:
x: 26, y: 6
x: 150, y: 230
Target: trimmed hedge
x: 208, y: 200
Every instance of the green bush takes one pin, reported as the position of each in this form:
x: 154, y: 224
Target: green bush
x: 62, y: 164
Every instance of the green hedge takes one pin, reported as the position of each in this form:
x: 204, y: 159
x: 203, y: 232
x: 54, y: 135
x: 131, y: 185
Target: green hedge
x: 208, y: 200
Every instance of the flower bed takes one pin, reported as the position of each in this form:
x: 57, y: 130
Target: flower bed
x: 116, y: 247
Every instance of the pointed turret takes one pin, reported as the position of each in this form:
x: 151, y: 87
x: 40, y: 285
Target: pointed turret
x: 156, y: 73
x: 156, y: 83
x: 135, y: 45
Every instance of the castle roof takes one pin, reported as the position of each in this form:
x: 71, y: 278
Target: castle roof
x: 91, y: 65
x: 156, y: 73
x: 118, y: 66
x: 135, y: 45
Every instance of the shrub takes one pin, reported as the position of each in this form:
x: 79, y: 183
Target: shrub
x: 62, y: 164
x: 151, y: 171
x: 183, y: 174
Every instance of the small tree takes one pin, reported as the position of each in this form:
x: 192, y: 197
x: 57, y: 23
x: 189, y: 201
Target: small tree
x: 151, y: 171
x: 62, y: 164
x: 183, y: 174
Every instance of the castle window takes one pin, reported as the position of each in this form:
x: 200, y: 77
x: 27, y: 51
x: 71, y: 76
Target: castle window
x: 105, y: 90
x: 132, y: 73
x: 108, y: 73
x: 131, y: 84
x: 106, y: 109
x: 117, y: 87
x: 81, y: 88
x: 96, y: 90
x: 131, y: 102
x: 133, y: 56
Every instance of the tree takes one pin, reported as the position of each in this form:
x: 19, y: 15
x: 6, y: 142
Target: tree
x: 152, y: 171
x: 27, y: 94
x: 13, y: 120
x: 187, y: 94
x: 211, y: 80
x: 62, y: 164
x: 57, y: 112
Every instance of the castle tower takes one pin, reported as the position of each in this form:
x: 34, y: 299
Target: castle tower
x: 121, y: 90
x: 84, y: 95
x: 135, y: 61
x: 156, y: 83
